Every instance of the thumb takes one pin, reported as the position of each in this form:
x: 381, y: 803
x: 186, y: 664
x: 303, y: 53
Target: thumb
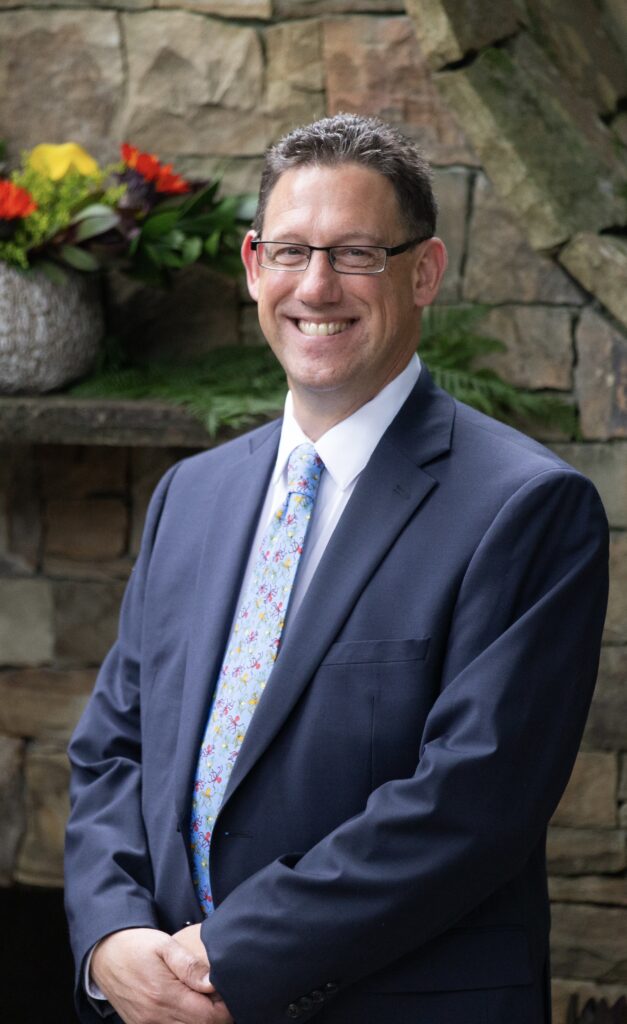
x: 191, y: 971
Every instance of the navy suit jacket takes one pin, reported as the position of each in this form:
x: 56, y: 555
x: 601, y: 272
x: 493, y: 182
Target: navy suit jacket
x: 379, y: 855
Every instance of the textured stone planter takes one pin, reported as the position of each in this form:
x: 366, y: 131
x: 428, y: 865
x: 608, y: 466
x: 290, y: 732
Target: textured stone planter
x: 49, y: 333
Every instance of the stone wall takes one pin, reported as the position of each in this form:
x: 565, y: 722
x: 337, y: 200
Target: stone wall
x: 202, y: 82
x: 70, y: 524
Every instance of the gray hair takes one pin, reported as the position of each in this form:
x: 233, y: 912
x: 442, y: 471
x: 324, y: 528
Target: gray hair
x: 349, y: 138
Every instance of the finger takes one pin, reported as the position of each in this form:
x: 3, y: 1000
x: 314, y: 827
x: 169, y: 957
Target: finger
x: 221, y: 1014
x: 192, y: 1008
x: 187, y: 968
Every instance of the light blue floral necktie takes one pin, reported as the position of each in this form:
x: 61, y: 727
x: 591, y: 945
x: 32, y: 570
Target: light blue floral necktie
x: 250, y: 655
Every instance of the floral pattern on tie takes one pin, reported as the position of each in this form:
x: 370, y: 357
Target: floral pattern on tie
x: 250, y: 655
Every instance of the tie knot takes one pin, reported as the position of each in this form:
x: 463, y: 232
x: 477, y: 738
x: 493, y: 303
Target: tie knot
x: 304, y: 469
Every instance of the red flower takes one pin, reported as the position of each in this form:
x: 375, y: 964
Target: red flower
x: 150, y: 169
x: 15, y: 201
x: 169, y: 182
x: 145, y: 164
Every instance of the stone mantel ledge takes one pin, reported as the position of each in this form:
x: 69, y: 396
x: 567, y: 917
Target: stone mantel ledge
x: 59, y: 419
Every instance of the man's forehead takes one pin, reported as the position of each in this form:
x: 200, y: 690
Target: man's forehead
x: 352, y: 194
x: 314, y: 172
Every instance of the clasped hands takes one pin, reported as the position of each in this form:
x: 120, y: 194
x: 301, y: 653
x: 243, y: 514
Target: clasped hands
x: 150, y: 977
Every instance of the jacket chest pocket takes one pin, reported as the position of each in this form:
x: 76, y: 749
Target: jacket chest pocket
x: 381, y: 686
x: 377, y: 652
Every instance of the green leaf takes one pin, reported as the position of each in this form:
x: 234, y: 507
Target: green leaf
x: 152, y: 253
x: 192, y: 248
x: 247, y: 208
x: 53, y: 271
x: 80, y: 259
x: 169, y: 202
x: 212, y: 244
x: 171, y: 258
x: 224, y: 215
x: 172, y: 240
x: 202, y: 224
x: 159, y: 224
x: 93, y: 210
x: 227, y: 207
x: 90, y: 227
x: 199, y: 200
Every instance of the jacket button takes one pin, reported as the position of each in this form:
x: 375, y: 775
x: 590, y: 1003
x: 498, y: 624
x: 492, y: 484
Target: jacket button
x: 293, y: 1011
x: 186, y: 924
x: 317, y: 996
x: 331, y: 987
x: 305, y: 1003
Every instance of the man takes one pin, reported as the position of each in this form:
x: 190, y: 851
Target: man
x: 365, y: 835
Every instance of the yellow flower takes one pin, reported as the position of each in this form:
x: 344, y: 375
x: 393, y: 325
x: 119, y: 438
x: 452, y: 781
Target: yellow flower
x: 55, y: 161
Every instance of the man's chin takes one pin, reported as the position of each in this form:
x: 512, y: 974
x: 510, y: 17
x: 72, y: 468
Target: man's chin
x: 316, y: 383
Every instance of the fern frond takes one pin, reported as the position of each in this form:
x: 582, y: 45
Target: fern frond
x: 485, y: 391
x: 452, y: 342
x: 450, y: 338
x: 235, y: 386
x: 229, y: 387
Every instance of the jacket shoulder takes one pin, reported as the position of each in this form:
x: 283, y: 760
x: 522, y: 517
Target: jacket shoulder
x: 209, y: 464
x: 501, y: 448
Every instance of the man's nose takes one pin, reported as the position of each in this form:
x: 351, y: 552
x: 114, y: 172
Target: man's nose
x: 319, y: 283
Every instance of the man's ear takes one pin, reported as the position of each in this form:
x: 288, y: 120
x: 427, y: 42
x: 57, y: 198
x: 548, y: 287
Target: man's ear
x: 431, y: 262
x: 249, y: 259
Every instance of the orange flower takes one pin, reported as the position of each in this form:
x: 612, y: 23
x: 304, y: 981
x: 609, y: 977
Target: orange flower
x: 170, y: 182
x: 15, y: 201
x: 145, y: 164
x: 148, y: 166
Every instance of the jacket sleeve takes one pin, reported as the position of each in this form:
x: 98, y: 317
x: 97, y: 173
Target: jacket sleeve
x: 496, y: 753
x: 108, y: 882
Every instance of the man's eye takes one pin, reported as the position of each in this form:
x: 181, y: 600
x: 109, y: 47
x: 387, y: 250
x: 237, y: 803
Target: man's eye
x: 288, y: 253
x: 356, y: 256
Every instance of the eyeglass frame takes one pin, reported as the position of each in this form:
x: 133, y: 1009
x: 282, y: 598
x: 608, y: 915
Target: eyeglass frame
x: 389, y: 250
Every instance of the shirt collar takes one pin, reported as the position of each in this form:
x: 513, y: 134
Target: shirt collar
x: 346, y: 448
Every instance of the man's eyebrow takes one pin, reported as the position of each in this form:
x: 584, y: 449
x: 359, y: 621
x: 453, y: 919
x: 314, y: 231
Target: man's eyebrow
x: 348, y: 238
x: 358, y: 236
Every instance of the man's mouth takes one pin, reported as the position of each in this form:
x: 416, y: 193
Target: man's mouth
x: 322, y: 330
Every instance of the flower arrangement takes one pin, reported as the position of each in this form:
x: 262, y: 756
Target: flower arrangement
x: 60, y: 209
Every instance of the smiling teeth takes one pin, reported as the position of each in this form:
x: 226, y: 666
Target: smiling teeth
x: 317, y: 330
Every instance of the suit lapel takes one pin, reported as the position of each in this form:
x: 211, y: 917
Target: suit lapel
x: 232, y: 523
x: 388, y: 493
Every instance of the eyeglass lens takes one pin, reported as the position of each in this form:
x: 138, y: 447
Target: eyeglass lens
x: 367, y: 259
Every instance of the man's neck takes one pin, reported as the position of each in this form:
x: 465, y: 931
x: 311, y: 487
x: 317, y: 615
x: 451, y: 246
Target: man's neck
x: 315, y: 420
x: 316, y: 412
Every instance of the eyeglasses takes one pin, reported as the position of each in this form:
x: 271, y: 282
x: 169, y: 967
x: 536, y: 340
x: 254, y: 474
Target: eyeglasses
x: 345, y: 259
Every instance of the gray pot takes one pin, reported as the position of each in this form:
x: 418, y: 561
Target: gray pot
x: 50, y: 333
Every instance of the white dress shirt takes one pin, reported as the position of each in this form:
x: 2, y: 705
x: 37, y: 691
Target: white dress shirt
x: 345, y: 450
